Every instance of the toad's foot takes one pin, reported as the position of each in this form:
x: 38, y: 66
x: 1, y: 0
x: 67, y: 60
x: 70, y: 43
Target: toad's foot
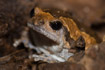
x: 50, y: 58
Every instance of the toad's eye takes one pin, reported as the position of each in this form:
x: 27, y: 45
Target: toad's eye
x: 32, y: 13
x: 56, y: 25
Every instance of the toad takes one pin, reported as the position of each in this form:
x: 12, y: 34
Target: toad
x: 53, y: 37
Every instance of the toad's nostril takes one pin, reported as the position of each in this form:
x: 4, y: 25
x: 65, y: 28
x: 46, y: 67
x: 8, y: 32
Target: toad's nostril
x: 56, y: 25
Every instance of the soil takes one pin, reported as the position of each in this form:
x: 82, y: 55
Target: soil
x: 14, y: 15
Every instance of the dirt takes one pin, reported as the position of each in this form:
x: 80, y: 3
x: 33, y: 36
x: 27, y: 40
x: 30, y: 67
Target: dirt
x: 14, y: 15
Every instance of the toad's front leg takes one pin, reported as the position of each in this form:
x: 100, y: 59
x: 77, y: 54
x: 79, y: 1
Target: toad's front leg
x: 42, y: 54
x: 47, y: 58
x: 45, y: 55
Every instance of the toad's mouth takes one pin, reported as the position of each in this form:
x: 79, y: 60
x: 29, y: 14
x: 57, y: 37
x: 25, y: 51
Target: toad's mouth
x: 47, y: 34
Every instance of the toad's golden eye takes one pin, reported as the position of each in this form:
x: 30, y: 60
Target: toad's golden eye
x: 56, y: 25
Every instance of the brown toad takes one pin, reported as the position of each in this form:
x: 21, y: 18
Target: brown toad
x: 53, y: 37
